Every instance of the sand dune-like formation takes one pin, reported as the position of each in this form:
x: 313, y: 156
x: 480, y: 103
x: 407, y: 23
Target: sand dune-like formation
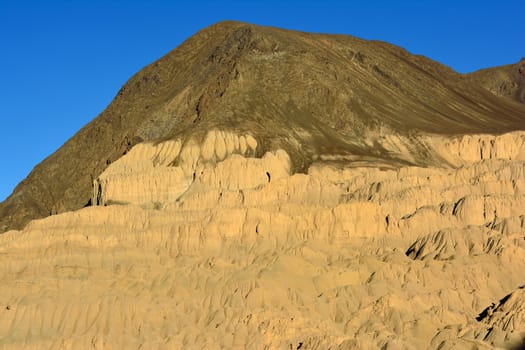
x: 196, y: 243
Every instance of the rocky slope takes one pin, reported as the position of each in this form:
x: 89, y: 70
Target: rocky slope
x: 266, y: 189
x: 506, y: 81
x: 312, y: 95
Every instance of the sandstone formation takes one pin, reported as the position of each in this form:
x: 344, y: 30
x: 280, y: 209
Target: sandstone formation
x: 197, y: 243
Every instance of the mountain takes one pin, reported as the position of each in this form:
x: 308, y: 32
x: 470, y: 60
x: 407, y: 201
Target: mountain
x: 310, y: 94
x: 259, y: 188
x: 507, y: 81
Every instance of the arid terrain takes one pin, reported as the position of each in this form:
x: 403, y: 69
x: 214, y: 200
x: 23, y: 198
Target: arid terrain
x: 263, y: 188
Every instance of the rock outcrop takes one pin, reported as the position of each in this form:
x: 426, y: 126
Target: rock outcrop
x: 161, y: 173
x: 205, y: 243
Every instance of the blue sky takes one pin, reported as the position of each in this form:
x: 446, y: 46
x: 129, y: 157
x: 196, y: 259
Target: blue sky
x: 62, y: 62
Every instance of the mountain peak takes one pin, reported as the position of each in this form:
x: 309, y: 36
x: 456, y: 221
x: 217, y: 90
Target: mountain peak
x: 316, y: 96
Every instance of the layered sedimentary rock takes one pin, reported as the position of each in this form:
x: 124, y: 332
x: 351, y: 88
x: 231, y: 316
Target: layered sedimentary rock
x: 203, y: 242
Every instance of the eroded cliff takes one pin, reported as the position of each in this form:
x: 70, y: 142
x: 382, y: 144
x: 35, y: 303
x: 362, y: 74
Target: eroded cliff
x: 201, y: 242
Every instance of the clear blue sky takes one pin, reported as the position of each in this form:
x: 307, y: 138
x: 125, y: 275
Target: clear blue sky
x: 62, y: 62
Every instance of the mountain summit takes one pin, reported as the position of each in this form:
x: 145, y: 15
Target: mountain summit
x: 316, y: 96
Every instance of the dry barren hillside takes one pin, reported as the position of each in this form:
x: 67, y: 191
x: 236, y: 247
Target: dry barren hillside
x: 310, y: 94
x: 267, y: 189
x: 506, y: 81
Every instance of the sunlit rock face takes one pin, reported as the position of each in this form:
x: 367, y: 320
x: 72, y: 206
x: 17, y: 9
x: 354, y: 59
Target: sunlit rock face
x: 162, y: 172
x: 260, y: 188
x: 198, y: 243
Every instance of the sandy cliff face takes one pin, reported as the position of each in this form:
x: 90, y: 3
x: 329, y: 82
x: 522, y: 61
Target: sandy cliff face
x: 199, y: 243
x: 161, y: 173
